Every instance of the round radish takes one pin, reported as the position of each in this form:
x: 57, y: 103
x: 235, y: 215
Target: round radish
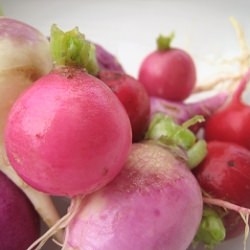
x: 134, y: 98
x: 19, y: 222
x: 154, y: 203
x: 168, y: 72
x: 68, y: 134
x: 224, y: 174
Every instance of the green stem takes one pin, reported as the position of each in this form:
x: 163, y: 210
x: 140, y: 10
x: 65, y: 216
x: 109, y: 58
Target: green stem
x: 72, y: 49
x: 163, y: 129
x: 211, y: 230
x: 197, y: 153
x: 164, y: 42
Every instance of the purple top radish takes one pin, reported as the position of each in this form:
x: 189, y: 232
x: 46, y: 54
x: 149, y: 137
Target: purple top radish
x: 182, y: 112
x: 154, y: 203
x: 25, y: 56
x: 76, y: 132
x: 107, y: 61
x: 168, y: 72
x: 19, y: 222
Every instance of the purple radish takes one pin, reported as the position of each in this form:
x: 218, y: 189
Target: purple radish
x: 154, y: 203
x: 19, y: 222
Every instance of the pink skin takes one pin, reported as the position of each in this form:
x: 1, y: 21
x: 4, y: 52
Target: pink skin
x: 68, y: 134
x: 20, y: 224
x: 168, y: 74
x: 154, y: 203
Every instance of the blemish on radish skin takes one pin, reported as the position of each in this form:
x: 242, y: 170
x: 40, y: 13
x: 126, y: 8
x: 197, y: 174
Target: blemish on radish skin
x: 157, y: 212
x: 231, y: 164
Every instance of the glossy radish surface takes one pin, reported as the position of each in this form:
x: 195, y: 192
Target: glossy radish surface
x: 76, y: 133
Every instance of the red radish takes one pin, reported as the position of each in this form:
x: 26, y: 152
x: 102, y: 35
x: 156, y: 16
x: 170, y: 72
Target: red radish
x: 134, y: 98
x: 154, y: 203
x: 168, y: 72
x: 231, y: 122
x: 224, y: 174
x: 19, y: 222
x: 76, y: 132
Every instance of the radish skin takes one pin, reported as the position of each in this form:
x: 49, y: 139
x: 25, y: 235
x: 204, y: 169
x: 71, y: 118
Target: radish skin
x: 139, y: 208
x: 76, y: 133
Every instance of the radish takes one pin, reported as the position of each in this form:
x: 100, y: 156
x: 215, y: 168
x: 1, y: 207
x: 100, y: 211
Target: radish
x: 154, y: 203
x: 134, y: 98
x: 224, y: 174
x: 106, y: 60
x: 25, y: 56
x: 168, y: 73
x: 181, y: 111
x: 19, y: 222
x: 156, y: 174
x: 231, y: 122
x: 76, y: 133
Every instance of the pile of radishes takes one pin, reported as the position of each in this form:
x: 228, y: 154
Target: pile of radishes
x: 141, y: 167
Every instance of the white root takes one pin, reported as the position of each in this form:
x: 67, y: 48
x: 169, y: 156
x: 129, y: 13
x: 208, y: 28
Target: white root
x: 231, y: 81
x: 61, y: 224
x: 42, y: 202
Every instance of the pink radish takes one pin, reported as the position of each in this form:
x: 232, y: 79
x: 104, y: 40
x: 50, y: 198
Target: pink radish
x: 154, y: 203
x: 168, y: 73
x: 76, y: 133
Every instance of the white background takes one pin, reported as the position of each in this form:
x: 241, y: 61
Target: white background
x: 129, y: 28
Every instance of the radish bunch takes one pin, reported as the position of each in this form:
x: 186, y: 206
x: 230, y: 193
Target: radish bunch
x: 130, y: 154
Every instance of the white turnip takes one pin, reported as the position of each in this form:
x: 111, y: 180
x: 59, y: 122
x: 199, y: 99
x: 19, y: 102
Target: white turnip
x: 25, y: 56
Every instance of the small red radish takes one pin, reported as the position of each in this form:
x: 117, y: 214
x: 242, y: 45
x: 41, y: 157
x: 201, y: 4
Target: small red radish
x: 154, y: 203
x: 231, y: 123
x: 225, y: 174
x: 19, y: 222
x: 68, y: 134
x: 134, y: 98
x: 168, y: 72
